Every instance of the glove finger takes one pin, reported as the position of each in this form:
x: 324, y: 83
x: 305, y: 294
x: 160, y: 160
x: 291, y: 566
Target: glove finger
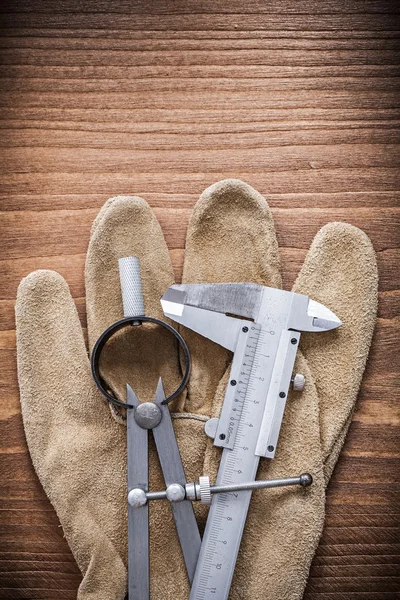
x: 230, y: 238
x: 74, y: 443
x: 283, y: 525
x: 339, y: 271
x: 50, y: 341
x: 126, y: 226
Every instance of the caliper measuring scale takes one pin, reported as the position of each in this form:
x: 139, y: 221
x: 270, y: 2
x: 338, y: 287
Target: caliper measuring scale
x: 228, y: 511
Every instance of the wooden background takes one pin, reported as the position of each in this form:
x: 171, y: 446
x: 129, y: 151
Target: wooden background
x: 161, y: 99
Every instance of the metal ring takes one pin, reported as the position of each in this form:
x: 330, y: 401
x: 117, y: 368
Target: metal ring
x: 110, y: 331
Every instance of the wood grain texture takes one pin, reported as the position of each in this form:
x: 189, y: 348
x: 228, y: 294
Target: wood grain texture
x: 161, y: 99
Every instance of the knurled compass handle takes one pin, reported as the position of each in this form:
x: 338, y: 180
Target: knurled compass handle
x: 131, y: 286
x: 134, y: 315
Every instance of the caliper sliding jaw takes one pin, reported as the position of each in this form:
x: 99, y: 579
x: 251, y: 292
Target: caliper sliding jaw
x: 264, y: 342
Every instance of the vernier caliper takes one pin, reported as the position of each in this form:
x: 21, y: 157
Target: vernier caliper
x: 264, y: 339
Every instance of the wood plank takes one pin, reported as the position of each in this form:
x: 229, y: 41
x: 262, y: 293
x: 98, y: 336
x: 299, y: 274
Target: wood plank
x: 372, y: 440
x: 40, y: 135
x: 350, y: 584
x: 276, y: 159
x: 131, y: 57
x: 192, y: 7
x: 138, y: 42
x: 42, y: 594
x: 308, y: 181
x: 156, y: 76
x: 195, y: 34
x: 53, y: 232
x: 161, y: 100
x: 205, y: 22
x: 360, y: 571
x: 216, y: 100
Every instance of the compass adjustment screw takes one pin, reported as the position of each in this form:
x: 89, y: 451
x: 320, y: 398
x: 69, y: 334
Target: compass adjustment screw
x: 175, y: 492
x: 137, y: 498
x: 205, y: 489
x: 298, y: 382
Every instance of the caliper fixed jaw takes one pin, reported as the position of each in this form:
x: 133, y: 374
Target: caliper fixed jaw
x: 247, y: 300
x: 212, y: 324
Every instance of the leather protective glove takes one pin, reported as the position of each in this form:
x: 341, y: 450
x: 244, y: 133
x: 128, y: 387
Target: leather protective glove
x: 231, y: 238
x: 77, y: 445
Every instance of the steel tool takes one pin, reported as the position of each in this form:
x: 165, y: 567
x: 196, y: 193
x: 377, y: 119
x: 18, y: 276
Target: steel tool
x: 261, y: 326
x: 155, y: 416
x: 140, y: 418
x: 202, y: 490
x: 264, y: 343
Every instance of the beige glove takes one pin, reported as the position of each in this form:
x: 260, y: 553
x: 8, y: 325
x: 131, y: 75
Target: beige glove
x: 79, y: 450
x: 77, y: 445
x: 231, y: 238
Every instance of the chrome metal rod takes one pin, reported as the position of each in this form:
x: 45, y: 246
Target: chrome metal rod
x: 193, y: 492
x: 305, y: 479
x: 156, y: 495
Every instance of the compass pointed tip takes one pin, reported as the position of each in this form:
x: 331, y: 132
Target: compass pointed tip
x: 160, y: 393
x: 131, y: 397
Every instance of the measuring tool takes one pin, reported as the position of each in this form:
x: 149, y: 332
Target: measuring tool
x: 140, y: 418
x: 264, y: 339
x: 155, y: 416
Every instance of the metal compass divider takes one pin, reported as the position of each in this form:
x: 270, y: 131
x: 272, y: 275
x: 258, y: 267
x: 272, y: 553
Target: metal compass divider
x: 142, y: 417
x: 155, y: 416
